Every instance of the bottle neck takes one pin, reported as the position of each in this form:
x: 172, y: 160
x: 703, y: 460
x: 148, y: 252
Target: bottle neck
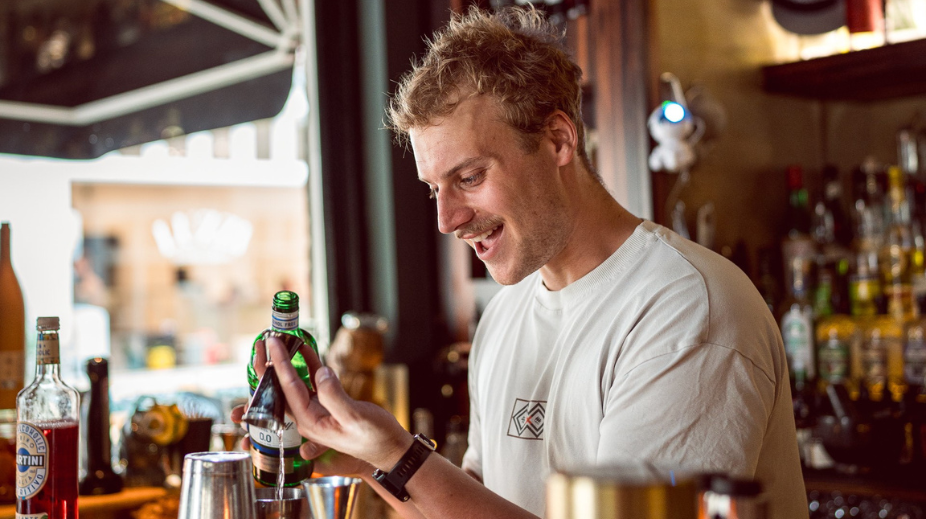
x: 4, y: 244
x: 52, y: 371
x: 285, y: 321
x: 47, y: 360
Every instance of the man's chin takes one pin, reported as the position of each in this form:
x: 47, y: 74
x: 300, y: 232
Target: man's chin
x: 505, y: 277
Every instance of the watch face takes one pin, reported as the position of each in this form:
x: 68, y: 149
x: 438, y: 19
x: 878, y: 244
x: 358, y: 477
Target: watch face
x: 428, y: 442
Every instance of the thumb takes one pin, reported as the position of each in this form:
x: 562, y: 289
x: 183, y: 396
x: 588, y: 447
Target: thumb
x: 331, y: 394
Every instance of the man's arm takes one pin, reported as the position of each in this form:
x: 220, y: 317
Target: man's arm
x: 406, y: 510
x: 438, y: 490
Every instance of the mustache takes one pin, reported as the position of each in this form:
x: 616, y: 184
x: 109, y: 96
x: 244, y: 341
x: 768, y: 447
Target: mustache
x: 475, y: 229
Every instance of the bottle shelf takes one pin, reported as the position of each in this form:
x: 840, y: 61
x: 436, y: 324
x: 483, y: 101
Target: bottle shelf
x: 891, y: 71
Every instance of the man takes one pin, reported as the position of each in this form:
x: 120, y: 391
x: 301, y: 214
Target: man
x: 614, y: 340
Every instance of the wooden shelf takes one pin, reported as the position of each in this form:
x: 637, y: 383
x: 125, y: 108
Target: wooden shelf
x: 108, y: 506
x: 891, y: 71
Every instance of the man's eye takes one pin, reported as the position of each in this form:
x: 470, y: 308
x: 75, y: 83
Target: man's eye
x: 471, y: 179
x: 432, y: 193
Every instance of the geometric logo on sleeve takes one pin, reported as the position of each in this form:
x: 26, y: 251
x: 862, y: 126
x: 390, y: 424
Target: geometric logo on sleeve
x: 527, y: 418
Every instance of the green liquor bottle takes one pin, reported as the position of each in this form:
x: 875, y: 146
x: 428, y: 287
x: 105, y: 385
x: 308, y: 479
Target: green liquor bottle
x: 265, y: 444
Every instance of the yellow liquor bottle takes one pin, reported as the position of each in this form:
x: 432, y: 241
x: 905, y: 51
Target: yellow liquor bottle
x: 897, y: 254
x: 882, y: 355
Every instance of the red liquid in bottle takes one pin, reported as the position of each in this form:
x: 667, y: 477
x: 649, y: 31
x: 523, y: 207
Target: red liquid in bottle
x: 58, y: 497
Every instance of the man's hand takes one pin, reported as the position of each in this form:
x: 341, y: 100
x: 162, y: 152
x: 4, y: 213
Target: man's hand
x: 328, y: 463
x: 331, y: 419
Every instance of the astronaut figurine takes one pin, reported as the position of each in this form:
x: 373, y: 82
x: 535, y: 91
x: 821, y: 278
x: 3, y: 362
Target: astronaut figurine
x: 676, y: 132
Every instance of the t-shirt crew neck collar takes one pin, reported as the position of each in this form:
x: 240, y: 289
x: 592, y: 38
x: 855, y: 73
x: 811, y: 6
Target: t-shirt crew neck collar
x: 607, y: 270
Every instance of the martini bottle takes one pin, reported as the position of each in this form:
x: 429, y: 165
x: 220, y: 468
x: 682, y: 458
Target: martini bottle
x: 265, y: 444
x: 47, y: 413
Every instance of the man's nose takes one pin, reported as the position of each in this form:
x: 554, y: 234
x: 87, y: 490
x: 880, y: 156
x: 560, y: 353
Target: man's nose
x: 452, y: 212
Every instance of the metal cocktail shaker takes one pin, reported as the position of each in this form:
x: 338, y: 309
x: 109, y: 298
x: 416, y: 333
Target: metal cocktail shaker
x: 217, y: 485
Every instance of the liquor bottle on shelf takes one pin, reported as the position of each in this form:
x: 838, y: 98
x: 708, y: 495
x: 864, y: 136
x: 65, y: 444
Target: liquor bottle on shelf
x: 833, y: 201
x: 914, y: 352
x: 797, y: 319
x: 916, y: 199
x: 767, y: 279
x: 100, y: 478
x: 882, y: 356
x: 803, y: 403
x: 837, y: 336
x: 12, y: 360
x: 47, y: 414
x: 832, y: 233
x: 868, y: 207
x: 265, y: 444
x: 865, y: 294
x: 831, y: 294
x: 798, y: 242
x: 897, y: 251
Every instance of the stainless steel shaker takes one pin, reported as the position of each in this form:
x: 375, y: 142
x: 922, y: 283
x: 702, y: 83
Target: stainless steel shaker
x: 332, y: 497
x: 217, y: 485
x: 293, y: 504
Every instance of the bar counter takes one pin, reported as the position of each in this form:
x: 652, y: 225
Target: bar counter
x: 112, y: 506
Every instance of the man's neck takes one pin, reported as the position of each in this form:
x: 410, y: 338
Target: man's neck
x: 600, y: 226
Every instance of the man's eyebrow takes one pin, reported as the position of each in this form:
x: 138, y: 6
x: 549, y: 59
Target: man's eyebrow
x: 468, y: 163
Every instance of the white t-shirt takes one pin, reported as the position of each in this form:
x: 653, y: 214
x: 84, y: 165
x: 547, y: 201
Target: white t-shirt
x: 664, y: 353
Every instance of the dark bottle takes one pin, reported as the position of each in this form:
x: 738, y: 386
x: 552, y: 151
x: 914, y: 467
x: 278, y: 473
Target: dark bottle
x: 803, y: 402
x: 798, y: 242
x: 833, y: 200
x: 100, y: 478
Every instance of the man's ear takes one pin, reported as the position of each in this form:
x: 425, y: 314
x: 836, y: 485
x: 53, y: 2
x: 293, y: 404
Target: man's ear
x: 562, y: 132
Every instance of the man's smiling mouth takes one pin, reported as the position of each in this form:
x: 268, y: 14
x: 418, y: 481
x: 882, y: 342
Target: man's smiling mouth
x: 485, y: 241
x: 484, y: 235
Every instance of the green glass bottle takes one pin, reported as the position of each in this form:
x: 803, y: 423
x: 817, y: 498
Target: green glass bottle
x: 265, y: 444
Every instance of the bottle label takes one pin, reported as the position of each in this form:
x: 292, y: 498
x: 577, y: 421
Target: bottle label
x: 271, y: 464
x: 285, y: 321
x: 31, y: 516
x: 265, y: 448
x: 12, y: 366
x: 915, y: 362
x: 46, y: 351
x: 874, y: 362
x: 796, y: 333
x: 31, y: 461
x: 268, y: 441
x: 834, y: 361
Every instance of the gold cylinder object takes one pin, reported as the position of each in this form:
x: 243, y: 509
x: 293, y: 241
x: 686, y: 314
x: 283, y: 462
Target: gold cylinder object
x: 630, y: 492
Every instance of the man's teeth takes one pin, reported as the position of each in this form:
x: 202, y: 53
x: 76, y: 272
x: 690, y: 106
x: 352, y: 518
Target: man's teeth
x: 484, y: 235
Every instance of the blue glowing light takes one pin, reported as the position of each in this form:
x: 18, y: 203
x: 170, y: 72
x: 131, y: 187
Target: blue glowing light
x: 672, y: 111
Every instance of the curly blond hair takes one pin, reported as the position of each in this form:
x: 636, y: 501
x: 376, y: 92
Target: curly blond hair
x: 513, y: 55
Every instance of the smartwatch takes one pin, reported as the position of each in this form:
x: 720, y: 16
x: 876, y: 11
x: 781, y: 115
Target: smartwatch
x: 394, y: 481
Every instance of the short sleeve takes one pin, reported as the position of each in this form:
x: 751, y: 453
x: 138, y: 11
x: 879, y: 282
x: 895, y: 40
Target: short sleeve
x: 718, y: 402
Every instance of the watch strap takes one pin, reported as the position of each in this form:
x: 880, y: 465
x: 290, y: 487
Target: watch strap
x: 394, y: 481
